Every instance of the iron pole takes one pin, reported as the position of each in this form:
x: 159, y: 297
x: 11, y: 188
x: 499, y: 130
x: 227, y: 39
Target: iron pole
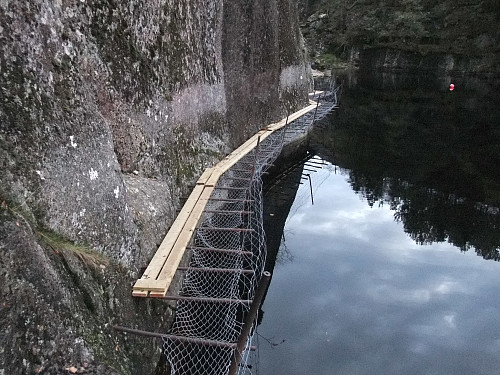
x: 249, y: 320
x: 192, y: 340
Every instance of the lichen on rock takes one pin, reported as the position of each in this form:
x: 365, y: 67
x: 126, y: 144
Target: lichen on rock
x: 108, y: 111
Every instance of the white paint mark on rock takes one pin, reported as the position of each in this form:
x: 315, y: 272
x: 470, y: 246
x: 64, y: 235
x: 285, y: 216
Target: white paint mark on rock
x: 292, y: 76
x: 72, y: 140
x: 93, y: 174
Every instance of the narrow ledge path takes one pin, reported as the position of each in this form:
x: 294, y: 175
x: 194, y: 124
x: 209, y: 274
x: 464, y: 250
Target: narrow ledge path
x: 158, y: 276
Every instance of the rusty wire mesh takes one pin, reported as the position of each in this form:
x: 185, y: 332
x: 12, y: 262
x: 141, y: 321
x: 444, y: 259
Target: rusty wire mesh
x: 228, y: 258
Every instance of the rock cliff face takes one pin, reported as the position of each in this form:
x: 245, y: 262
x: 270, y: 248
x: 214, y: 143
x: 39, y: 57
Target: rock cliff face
x: 467, y: 31
x: 108, y: 110
x: 439, y: 64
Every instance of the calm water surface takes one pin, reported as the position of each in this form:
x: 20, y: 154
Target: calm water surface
x: 394, y: 269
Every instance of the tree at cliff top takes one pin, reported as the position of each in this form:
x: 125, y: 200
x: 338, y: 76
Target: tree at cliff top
x: 460, y: 26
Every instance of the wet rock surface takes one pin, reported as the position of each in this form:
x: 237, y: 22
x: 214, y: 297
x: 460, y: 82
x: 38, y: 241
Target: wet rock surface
x: 108, y: 111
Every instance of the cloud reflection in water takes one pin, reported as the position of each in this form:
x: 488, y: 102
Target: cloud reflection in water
x: 362, y: 298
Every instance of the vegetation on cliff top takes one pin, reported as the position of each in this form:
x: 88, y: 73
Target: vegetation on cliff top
x: 468, y: 27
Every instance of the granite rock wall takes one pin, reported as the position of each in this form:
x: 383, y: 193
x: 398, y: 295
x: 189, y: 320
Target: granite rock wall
x: 108, y: 111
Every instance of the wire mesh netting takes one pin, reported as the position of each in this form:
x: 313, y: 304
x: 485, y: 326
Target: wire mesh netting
x: 228, y: 253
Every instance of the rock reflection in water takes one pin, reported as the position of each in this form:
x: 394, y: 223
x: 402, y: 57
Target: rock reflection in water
x: 361, y: 295
x: 429, y: 155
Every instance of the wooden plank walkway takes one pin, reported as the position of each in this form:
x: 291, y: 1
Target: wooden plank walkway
x: 159, y: 274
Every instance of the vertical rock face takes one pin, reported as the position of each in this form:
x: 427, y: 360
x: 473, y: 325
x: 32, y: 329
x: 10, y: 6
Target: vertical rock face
x: 338, y: 30
x: 263, y: 55
x: 108, y: 109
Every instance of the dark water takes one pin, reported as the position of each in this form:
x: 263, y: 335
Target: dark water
x: 395, y: 268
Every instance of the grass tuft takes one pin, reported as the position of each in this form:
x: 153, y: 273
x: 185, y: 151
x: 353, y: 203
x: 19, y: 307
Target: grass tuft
x: 63, y: 246
x: 56, y: 242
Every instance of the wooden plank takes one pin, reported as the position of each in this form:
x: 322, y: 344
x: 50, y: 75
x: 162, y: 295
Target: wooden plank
x: 170, y: 267
x: 150, y: 284
x: 157, y: 278
x: 241, y: 151
x: 237, y: 155
x: 246, y: 147
x: 159, y: 284
x: 140, y: 293
x: 163, y: 251
x: 205, y: 176
x: 214, y: 177
x: 293, y: 117
x: 158, y: 294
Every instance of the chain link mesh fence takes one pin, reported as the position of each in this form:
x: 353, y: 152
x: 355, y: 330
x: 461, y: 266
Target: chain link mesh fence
x: 228, y: 253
